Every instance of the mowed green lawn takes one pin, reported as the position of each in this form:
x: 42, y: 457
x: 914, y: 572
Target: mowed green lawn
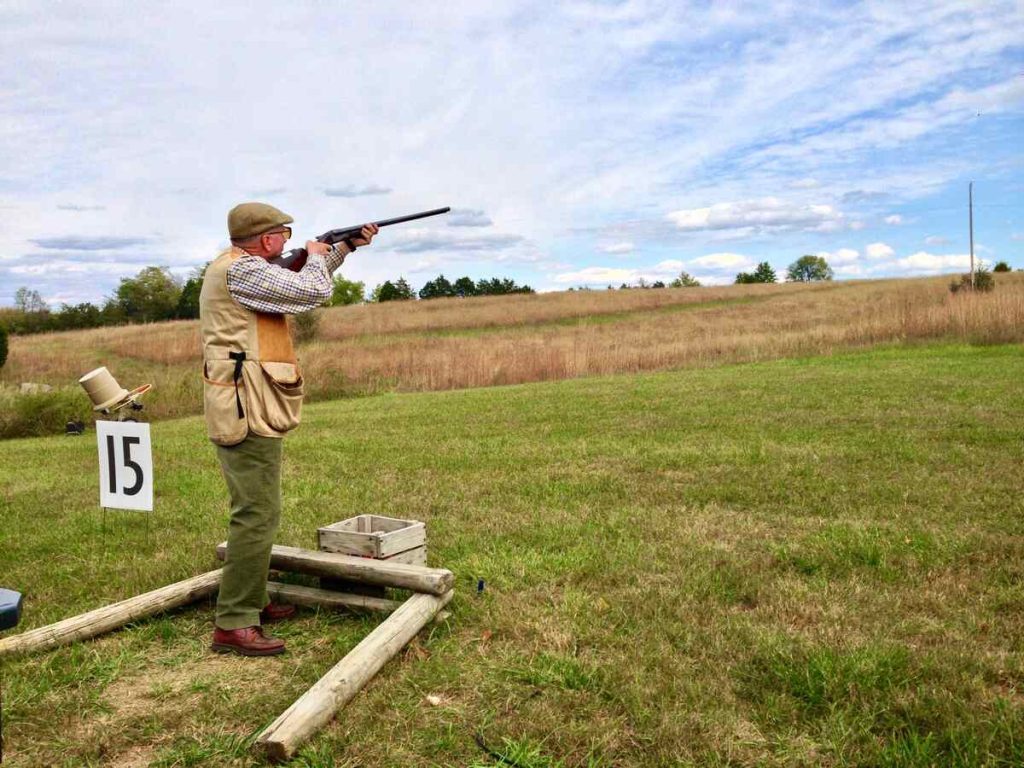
x: 803, y: 562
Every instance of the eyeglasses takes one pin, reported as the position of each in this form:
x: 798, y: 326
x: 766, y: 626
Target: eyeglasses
x: 286, y: 231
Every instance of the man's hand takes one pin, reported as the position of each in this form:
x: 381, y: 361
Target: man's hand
x: 317, y: 248
x: 365, y: 236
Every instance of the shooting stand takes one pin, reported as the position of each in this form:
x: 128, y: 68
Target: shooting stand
x: 432, y: 590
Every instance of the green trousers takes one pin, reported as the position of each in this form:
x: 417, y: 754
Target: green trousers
x: 252, y: 470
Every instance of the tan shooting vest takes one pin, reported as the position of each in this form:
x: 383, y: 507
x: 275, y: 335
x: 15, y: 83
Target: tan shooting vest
x: 251, y: 379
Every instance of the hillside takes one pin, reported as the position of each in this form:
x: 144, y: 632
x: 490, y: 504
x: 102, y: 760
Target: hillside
x: 459, y: 343
x: 798, y: 562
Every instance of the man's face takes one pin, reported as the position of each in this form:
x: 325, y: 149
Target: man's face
x: 273, y: 241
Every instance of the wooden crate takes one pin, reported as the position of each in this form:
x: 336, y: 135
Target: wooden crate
x: 376, y: 536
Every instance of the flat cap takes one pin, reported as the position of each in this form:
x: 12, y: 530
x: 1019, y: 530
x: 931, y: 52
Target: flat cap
x: 250, y: 219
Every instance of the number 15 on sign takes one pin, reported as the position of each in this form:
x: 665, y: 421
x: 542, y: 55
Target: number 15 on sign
x: 126, y: 465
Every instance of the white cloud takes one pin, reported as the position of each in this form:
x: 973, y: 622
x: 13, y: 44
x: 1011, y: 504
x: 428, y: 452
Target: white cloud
x: 804, y: 184
x: 924, y: 262
x: 710, y: 269
x: 840, y: 256
x: 351, y: 190
x: 936, y: 240
x: 669, y: 266
x: 894, y: 219
x: 850, y: 270
x: 598, y: 275
x: 767, y: 213
x: 623, y: 247
x: 723, y: 261
x: 1017, y: 237
x: 878, y: 251
x: 425, y: 239
x: 467, y: 217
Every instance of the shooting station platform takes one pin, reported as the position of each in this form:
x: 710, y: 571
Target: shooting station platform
x: 364, y: 550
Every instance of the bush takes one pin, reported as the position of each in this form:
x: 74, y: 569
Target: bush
x: 685, y: 280
x: 40, y: 413
x: 763, y: 274
x: 306, y: 326
x: 347, y: 292
x: 3, y: 346
x: 1001, y: 266
x: 983, y: 281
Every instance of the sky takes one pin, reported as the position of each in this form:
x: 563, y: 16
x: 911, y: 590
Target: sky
x: 578, y: 143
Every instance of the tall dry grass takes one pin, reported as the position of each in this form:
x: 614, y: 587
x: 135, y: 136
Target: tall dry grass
x: 452, y: 343
x: 779, y: 324
x: 533, y: 309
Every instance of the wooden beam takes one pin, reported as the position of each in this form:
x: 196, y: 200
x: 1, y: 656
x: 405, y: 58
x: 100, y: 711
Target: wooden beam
x: 313, y: 597
x: 434, y: 581
x: 113, y: 616
x: 315, y: 708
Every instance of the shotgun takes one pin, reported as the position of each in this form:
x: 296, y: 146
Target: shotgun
x: 295, y: 259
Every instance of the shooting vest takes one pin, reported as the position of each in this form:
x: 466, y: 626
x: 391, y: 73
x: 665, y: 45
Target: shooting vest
x: 251, y: 379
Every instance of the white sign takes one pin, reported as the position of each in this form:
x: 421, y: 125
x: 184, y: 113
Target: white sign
x: 126, y: 465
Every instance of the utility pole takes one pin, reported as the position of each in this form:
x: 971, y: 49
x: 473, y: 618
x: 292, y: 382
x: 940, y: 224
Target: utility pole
x: 970, y: 224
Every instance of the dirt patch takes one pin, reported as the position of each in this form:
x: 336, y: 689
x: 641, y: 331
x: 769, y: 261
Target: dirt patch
x: 136, y: 757
x: 167, y: 701
x: 183, y: 687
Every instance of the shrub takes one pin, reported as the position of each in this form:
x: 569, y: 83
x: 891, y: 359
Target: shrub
x: 40, y: 413
x: 685, y: 280
x: 347, y: 292
x: 1001, y: 266
x: 763, y: 274
x: 983, y: 281
x: 3, y: 346
x: 306, y: 326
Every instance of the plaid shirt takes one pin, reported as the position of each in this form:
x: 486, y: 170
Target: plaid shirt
x: 263, y: 287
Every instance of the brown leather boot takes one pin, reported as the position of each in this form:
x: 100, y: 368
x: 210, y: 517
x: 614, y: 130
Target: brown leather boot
x: 276, y: 612
x: 249, y: 641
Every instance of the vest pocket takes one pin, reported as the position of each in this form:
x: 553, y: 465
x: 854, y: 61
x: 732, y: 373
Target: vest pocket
x: 220, y: 404
x: 282, y: 391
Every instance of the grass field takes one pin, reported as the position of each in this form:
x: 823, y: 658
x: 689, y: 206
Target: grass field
x: 459, y: 343
x: 813, y: 561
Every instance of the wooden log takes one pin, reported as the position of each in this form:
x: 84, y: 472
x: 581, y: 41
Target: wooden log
x: 313, y: 597
x: 327, y: 598
x: 434, y: 581
x: 113, y: 616
x: 315, y: 708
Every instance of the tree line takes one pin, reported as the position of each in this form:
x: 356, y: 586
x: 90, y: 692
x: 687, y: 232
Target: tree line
x: 441, y: 287
x: 804, y: 270
x: 155, y: 295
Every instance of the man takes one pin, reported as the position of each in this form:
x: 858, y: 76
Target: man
x: 252, y: 395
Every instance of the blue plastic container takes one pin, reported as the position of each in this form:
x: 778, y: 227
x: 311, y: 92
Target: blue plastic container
x: 10, y: 608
